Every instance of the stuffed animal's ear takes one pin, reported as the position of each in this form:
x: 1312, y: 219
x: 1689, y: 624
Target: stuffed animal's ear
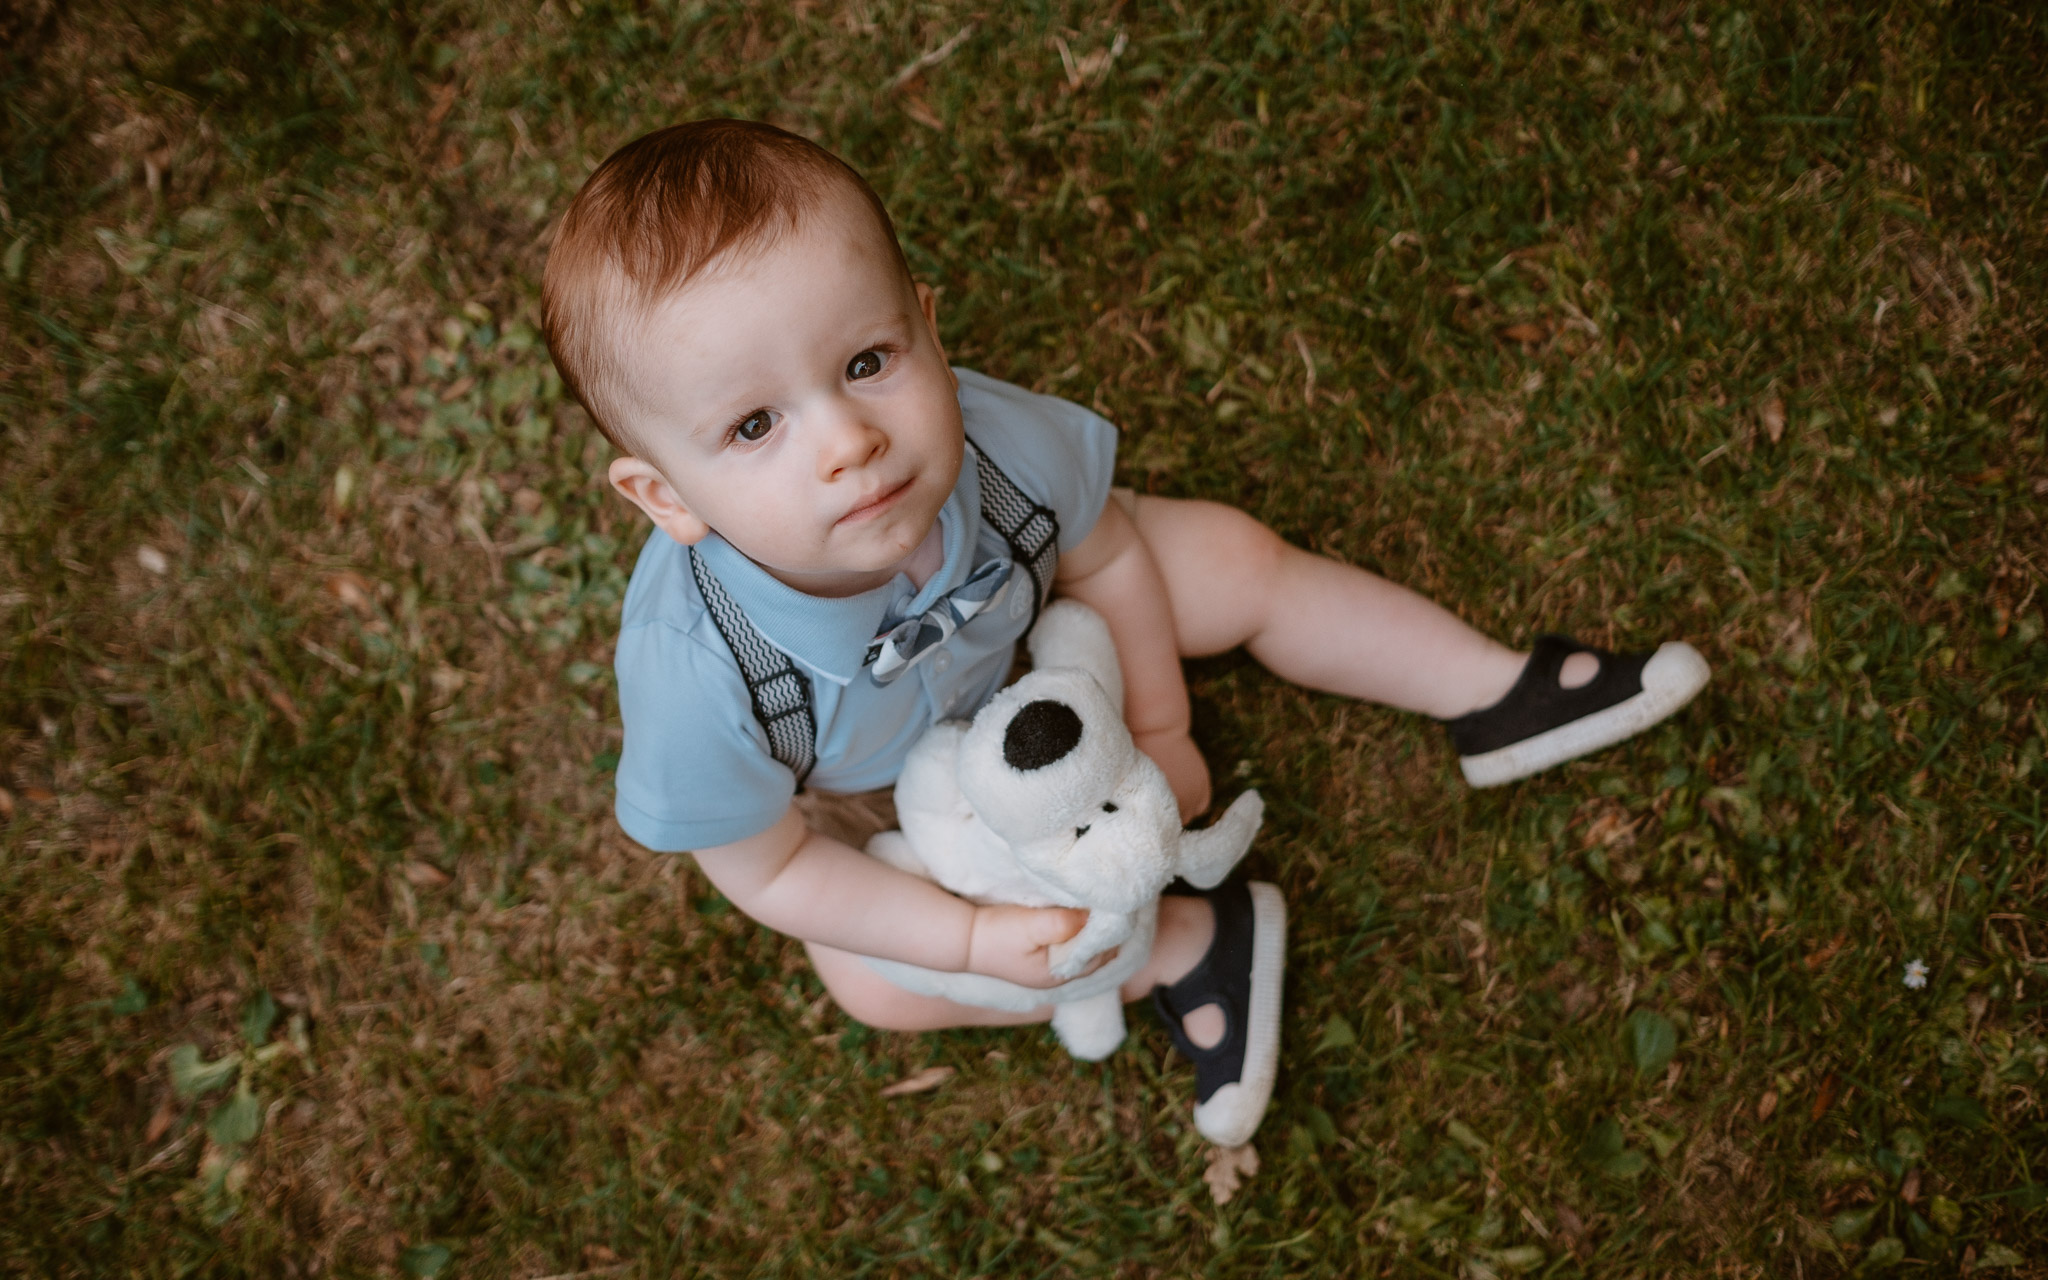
x: 1070, y: 634
x: 1206, y: 856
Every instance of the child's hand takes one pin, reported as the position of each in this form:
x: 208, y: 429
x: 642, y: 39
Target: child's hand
x: 1011, y: 943
x: 1186, y: 772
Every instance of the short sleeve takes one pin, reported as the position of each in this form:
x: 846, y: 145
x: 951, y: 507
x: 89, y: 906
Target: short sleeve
x: 1057, y: 451
x: 695, y: 770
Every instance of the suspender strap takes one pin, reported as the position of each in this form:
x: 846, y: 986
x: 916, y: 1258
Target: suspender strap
x: 780, y: 693
x: 1032, y: 531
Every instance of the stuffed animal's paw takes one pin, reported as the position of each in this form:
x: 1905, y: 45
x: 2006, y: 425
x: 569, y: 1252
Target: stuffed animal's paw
x: 1068, y: 960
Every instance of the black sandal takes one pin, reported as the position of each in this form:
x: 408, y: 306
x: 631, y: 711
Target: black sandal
x: 1540, y: 723
x: 1241, y: 974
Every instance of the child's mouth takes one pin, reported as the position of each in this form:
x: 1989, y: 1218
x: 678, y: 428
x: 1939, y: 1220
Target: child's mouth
x: 879, y: 505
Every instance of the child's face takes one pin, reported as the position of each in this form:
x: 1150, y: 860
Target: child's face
x: 797, y: 401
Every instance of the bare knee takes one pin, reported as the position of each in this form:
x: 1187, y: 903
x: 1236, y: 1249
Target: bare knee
x: 872, y: 1000
x: 861, y: 993
x: 1252, y: 551
x: 1221, y: 566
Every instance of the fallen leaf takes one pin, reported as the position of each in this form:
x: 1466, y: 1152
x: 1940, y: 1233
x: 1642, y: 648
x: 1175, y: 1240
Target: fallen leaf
x: 923, y: 1082
x: 1569, y: 1221
x: 815, y: 1012
x: 6, y: 804
x: 1579, y: 999
x: 1525, y: 333
x: 911, y: 75
x: 1909, y: 1190
x: 1767, y: 1106
x: 921, y: 111
x: 1229, y: 1168
x: 425, y: 875
x: 38, y: 795
x: 1093, y: 65
x: 444, y: 100
x: 1612, y: 828
x: 153, y: 560
x: 351, y: 588
x: 160, y: 1123
x: 1821, y: 955
x: 283, y: 702
x: 1825, y: 1097
x: 1573, y: 1228
x: 1772, y: 414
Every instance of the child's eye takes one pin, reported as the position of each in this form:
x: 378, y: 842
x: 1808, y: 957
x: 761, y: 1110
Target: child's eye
x: 753, y: 426
x: 865, y: 365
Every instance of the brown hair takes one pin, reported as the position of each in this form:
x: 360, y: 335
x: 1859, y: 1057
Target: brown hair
x: 657, y: 212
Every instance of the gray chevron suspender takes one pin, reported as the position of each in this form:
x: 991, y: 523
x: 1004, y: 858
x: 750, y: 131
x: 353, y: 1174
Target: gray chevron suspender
x: 1032, y: 531
x: 781, y: 694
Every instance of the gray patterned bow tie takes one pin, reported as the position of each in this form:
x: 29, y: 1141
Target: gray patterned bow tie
x: 912, y: 640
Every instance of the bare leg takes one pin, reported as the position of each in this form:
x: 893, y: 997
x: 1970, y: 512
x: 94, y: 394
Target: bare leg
x: 1185, y: 928
x: 1317, y: 622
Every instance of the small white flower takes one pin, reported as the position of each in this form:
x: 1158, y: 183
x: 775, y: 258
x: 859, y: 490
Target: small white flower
x: 1916, y: 974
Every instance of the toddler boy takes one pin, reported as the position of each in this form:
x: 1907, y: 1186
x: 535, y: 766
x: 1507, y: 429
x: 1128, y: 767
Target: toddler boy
x: 850, y: 538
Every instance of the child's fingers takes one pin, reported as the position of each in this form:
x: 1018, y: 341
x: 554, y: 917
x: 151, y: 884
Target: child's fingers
x: 1056, y: 924
x: 1015, y: 943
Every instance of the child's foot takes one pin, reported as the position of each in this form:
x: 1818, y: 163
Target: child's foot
x: 1240, y: 976
x: 1541, y: 722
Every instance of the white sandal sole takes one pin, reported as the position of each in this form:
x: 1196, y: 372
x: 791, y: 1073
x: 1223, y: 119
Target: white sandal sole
x: 1233, y: 1112
x: 1672, y: 676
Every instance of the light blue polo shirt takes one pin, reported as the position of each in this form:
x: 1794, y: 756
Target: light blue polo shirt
x: 695, y: 769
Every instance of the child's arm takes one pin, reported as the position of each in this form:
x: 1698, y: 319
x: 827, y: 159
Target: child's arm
x: 814, y: 888
x: 1112, y: 572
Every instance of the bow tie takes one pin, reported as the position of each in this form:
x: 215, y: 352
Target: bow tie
x: 910, y: 641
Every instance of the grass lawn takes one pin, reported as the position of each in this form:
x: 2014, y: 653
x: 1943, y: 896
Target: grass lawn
x: 323, y: 955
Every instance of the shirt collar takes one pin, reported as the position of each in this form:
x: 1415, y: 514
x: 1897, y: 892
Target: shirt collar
x: 829, y: 635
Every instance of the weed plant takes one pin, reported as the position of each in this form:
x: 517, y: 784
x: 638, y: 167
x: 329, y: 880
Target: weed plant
x: 323, y: 956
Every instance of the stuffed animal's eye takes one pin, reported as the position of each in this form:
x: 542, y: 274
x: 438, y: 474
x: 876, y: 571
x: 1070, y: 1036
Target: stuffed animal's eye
x: 1079, y: 832
x: 1108, y: 807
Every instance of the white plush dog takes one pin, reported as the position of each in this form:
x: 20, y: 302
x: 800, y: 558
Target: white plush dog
x: 1044, y: 800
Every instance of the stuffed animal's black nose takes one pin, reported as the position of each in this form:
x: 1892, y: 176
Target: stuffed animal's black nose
x: 1040, y: 733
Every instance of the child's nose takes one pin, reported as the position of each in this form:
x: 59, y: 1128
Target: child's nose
x: 847, y: 440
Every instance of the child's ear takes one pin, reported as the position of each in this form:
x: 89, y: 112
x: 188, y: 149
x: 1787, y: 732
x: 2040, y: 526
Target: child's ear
x: 928, y: 302
x: 641, y: 484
